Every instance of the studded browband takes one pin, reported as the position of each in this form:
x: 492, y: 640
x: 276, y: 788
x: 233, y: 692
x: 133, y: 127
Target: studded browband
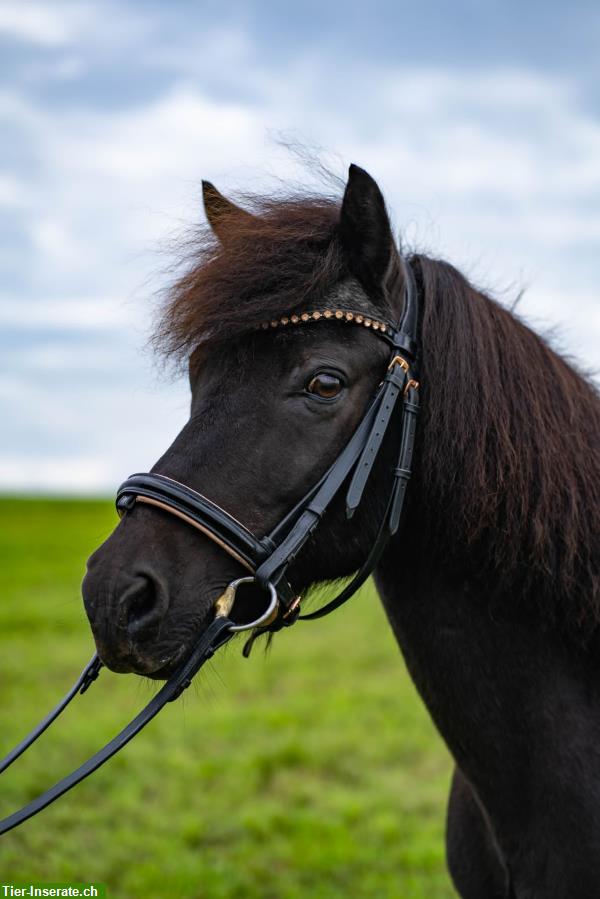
x: 357, y: 318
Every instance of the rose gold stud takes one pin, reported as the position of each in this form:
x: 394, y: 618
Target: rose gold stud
x: 328, y: 313
x: 316, y: 316
x: 383, y: 328
x: 349, y: 316
x: 359, y: 319
x: 339, y: 313
x: 375, y: 326
x: 285, y: 321
x: 367, y: 323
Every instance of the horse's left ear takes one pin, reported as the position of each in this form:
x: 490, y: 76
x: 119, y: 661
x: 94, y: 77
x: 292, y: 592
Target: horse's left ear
x: 365, y: 230
x: 220, y: 211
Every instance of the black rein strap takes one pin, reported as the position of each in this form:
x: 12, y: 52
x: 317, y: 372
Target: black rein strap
x: 83, y: 682
x: 216, y: 634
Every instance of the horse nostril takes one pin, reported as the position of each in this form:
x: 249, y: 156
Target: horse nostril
x: 143, y: 606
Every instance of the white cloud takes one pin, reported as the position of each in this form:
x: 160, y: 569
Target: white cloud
x: 53, y: 239
x: 170, y: 137
x: 101, y: 431
x: 12, y: 192
x: 38, y: 23
x: 106, y: 28
x: 62, y: 315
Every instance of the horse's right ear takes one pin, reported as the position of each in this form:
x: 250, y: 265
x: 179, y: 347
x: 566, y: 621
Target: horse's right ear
x: 220, y: 211
x: 365, y: 230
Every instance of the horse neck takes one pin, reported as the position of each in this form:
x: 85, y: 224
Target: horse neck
x: 496, y: 566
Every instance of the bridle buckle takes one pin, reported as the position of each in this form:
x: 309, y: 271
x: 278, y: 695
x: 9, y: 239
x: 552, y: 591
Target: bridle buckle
x: 399, y: 360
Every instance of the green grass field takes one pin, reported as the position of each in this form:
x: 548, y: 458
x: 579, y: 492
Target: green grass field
x: 310, y: 772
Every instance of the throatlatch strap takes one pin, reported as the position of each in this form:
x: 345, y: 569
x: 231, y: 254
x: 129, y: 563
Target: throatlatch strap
x: 216, y: 634
x: 359, y: 578
x: 403, y: 470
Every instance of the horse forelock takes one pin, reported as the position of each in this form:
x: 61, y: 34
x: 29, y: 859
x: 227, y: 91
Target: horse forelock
x: 283, y: 259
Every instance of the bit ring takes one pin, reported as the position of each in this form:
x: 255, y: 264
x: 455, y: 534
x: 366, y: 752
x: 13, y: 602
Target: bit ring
x: 226, y: 600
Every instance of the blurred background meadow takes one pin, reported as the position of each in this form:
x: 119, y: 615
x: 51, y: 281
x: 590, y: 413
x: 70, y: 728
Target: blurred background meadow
x: 314, y: 770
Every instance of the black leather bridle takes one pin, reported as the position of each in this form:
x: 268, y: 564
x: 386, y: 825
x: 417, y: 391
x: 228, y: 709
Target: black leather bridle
x: 267, y: 559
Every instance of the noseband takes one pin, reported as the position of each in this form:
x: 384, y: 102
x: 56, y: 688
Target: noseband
x: 268, y: 558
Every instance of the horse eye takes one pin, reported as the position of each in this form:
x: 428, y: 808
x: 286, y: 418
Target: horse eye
x: 325, y: 385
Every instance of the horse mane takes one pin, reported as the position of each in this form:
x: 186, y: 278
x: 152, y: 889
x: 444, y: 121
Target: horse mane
x: 507, y: 467
x: 509, y: 454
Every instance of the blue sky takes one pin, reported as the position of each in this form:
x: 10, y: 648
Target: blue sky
x: 481, y: 122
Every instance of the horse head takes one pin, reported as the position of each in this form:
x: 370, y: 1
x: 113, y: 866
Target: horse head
x: 278, y: 321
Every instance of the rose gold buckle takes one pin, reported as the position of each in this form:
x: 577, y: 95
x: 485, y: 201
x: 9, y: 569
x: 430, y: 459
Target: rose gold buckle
x: 399, y: 360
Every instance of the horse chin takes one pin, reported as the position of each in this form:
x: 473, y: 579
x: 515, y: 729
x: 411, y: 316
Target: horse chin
x: 167, y: 667
x: 137, y: 662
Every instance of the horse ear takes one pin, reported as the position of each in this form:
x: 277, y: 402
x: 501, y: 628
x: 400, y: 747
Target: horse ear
x: 365, y: 230
x: 219, y: 210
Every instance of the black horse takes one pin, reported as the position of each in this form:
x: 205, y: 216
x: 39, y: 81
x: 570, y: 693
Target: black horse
x: 492, y: 583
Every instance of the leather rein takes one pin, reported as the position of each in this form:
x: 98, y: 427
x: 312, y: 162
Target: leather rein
x: 268, y: 558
